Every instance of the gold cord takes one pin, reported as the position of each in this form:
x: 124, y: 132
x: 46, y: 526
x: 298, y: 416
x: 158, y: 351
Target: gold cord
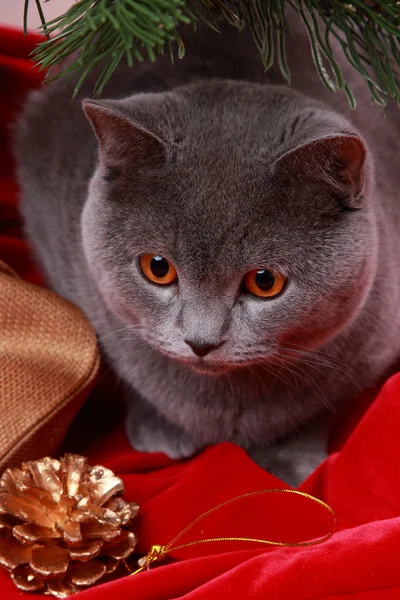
x: 158, y: 553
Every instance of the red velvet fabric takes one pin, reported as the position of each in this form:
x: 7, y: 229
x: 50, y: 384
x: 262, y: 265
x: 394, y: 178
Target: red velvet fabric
x: 360, y: 480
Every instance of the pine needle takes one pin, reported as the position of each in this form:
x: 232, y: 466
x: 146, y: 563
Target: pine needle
x: 104, y: 31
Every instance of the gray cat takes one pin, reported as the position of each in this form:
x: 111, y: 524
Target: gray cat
x: 234, y: 243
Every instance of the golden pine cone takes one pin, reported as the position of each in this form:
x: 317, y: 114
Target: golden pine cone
x: 63, y: 524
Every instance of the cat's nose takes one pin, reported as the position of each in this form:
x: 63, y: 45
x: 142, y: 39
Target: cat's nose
x: 202, y: 349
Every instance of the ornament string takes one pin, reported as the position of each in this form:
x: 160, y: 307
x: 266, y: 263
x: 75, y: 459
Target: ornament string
x: 158, y: 553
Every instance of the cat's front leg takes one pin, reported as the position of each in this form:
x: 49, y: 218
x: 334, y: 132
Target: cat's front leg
x: 149, y: 431
x: 294, y: 458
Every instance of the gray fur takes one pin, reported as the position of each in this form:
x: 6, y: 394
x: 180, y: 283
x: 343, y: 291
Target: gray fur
x: 214, y: 165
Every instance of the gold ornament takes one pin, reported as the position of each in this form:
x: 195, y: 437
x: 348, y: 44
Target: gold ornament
x: 63, y: 525
x: 158, y: 553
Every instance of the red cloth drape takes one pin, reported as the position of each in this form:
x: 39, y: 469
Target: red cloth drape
x: 361, y: 480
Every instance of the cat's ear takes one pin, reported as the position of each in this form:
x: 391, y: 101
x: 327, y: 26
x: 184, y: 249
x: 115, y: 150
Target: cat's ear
x: 336, y: 161
x: 120, y: 139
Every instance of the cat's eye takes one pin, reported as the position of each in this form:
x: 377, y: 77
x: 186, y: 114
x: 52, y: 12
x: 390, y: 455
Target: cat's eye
x: 264, y: 283
x: 158, y: 269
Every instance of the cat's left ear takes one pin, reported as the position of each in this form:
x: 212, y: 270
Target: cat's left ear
x: 336, y: 161
x: 122, y: 140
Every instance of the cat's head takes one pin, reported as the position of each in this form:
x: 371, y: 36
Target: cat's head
x: 230, y: 222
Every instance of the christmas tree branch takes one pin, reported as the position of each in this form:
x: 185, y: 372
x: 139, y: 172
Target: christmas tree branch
x: 106, y: 30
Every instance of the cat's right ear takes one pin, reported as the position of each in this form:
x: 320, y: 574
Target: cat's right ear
x: 336, y: 162
x: 120, y: 139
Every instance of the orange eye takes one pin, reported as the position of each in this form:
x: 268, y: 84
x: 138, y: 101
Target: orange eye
x: 264, y: 283
x: 158, y: 269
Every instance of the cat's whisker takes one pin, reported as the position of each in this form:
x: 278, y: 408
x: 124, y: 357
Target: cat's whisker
x: 308, y: 362
x: 327, y: 370
x: 308, y: 358
x: 229, y: 379
x: 311, y: 382
x: 317, y: 356
x: 268, y: 367
x: 116, y: 363
x: 317, y: 353
x: 122, y: 330
x: 256, y: 374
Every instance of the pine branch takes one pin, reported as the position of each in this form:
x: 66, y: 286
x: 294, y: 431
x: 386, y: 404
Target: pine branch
x: 106, y: 30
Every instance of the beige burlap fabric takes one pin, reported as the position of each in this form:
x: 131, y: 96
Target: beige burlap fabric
x: 48, y: 364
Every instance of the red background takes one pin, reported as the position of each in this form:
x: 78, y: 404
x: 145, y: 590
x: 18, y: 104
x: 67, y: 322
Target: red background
x: 360, y: 480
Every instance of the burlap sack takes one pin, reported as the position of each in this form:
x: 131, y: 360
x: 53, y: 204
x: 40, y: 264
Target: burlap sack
x: 48, y: 364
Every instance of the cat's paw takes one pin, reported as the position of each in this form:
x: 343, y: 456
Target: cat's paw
x: 287, y: 463
x: 169, y: 440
